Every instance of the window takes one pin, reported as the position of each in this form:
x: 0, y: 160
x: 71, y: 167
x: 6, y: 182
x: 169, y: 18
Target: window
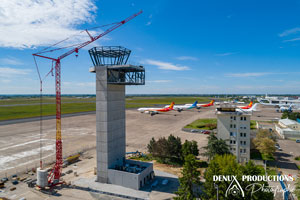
x: 234, y: 118
x: 244, y: 150
x: 231, y: 117
x: 244, y: 134
x: 230, y: 141
x: 233, y: 141
x: 241, y: 118
x: 244, y: 142
x: 230, y: 125
x: 241, y: 142
x: 241, y: 134
x: 245, y: 118
x: 234, y: 126
x: 231, y: 133
x: 241, y: 150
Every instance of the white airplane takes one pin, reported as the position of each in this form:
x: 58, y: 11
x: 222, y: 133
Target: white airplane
x: 180, y: 108
x: 154, y: 111
x: 285, y: 108
x: 251, y: 109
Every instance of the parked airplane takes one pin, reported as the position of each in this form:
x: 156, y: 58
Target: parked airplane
x: 204, y: 105
x: 180, y: 108
x: 285, y: 108
x: 252, y: 108
x: 248, y: 106
x: 154, y: 111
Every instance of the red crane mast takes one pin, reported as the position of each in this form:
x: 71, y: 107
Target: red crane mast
x: 55, y: 174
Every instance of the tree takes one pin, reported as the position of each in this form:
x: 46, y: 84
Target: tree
x: 265, y: 142
x: 190, y: 147
x: 262, y: 133
x: 174, y: 147
x: 166, y: 150
x: 290, y: 115
x: 265, y: 146
x: 189, y: 180
x: 215, y: 146
x: 151, y: 146
x: 227, y: 165
x: 297, y: 189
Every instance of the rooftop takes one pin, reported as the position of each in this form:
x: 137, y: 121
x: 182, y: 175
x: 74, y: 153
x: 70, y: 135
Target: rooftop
x: 288, y: 122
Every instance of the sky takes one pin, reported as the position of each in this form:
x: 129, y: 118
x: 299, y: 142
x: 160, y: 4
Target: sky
x: 186, y: 47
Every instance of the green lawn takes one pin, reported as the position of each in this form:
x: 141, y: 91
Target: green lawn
x: 271, y: 171
x: 205, y: 124
x: 255, y: 154
x: 74, y: 104
x: 267, y: 157
x: 297, y: 158
x: 46, y: 99
x: 17, y: 112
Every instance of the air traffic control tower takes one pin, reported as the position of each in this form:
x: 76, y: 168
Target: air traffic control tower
x: 112, y: 74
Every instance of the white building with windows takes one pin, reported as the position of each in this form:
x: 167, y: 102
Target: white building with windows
x: 288, y: 128
x: 234, y: 127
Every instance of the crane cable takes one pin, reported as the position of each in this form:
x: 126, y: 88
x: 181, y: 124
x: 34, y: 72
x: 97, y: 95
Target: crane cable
x: 41, y: 107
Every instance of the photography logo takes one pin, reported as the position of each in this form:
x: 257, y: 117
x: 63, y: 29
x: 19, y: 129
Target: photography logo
x: 235, y: 188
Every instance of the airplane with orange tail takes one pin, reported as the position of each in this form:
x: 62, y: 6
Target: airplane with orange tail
x: 248, y: 106
x: 154, y: 111
x: 204, y: 105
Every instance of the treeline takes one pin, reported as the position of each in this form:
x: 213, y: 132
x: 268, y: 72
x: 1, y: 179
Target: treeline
x: 170, y: 150
x: 290, y: 115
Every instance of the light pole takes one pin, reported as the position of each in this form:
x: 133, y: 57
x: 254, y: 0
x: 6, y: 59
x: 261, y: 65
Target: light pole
x: 217, y: 187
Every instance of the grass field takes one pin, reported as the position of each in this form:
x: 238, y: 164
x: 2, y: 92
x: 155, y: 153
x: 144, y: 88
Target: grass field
x: 210, y: 124
x: 16, y: 109
x: 205, y: 124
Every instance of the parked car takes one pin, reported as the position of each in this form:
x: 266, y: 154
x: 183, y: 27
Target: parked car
x: 206, y: 132
x: 4, y: 180
x: 297, y: 141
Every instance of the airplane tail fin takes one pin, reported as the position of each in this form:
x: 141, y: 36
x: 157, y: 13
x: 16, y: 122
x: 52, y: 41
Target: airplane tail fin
x: 172, y: 105
x: 250, y: 104
x: 253, y: 108
x: 212, y: 102
x: 195, y: 104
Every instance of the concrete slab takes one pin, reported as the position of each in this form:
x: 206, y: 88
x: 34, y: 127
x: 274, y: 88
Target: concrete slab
x: 109, y: 189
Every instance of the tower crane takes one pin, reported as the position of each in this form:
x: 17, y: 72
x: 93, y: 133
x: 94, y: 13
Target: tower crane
x: 54, y: 175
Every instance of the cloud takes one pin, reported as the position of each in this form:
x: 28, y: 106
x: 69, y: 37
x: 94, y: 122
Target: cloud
x: 5, y: 81
x: 292, y: 40
x: 290, y: 32
x: 187, y: 58
x: 159, y: 81
x: 166, y: 65
x: 11, y: 72
x: 253, y: 74
x: 31, y: 23
x: 10, y: 61
x: 149, y: 23
x: 226, y: 54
